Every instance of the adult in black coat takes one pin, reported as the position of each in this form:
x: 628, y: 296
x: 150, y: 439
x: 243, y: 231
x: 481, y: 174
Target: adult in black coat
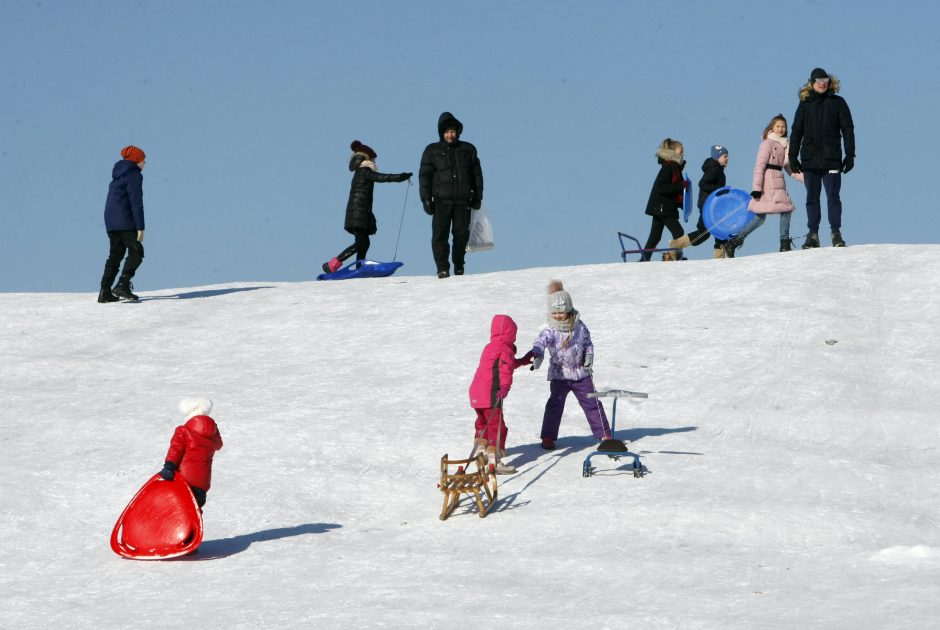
x: 666, y: 195
x: 451, y: 184
x: 821, y: 125
x: 124, y: 223
x: 360, y: 220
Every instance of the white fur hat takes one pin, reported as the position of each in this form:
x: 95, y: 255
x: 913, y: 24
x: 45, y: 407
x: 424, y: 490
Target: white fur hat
x: 190, y: 407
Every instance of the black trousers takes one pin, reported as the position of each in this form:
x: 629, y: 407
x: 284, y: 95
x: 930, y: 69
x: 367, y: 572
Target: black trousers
x: 700, y: 234
x: 450, y: 218
x: 656, y: 232
x: 360, y: 247
x: 122, y: 242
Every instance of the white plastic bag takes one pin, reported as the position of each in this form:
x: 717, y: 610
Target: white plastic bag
x: 481, y: 232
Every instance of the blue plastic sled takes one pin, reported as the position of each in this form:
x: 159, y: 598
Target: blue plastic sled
x: 613, y: 448
x: 725, y: 212
x: 687, y: 198
x: 362, y: 269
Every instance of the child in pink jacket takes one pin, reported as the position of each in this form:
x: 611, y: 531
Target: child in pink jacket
x: 489, y: 388
x: 769, y: 190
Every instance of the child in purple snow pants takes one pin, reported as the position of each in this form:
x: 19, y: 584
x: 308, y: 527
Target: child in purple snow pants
x: 568, y: 342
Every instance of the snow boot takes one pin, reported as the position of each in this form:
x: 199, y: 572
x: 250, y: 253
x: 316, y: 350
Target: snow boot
x: 670, y: 256
x: 125, y: 290
x: 837, y: 239
x: 443, y: 274
x: 718, y: 252
x: 681, y: 242
x: 479, y: 447
x: 458, y: 271
x: 332, y: 265
x: 812, y: 241
x: 105, y: 296
x: 548, y: 444
x: 730, y: 245
x: 786, y: 244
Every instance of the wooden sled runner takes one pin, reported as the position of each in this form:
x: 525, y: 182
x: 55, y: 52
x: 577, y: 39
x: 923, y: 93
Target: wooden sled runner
x: 478, y: 483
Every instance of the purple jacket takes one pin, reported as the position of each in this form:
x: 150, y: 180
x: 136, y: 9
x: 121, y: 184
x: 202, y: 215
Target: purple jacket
x: 493, y: 377
x: 566, y: 360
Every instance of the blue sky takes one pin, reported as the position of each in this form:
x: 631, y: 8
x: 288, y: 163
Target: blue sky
x: 246, y: 111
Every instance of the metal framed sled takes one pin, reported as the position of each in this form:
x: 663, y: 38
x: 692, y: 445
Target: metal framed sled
x: 613, y: 448
x: 477, y: 483
x: 669, y: 253
x: 362, y: 269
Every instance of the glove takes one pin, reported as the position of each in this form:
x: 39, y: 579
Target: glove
x: 140, y: 236
x: 475, y: 204
x: 757, y: 194
x: 848, y: 164
x: 405, y: 176
x: 537, y: 362
x: 167, y: 472
x: 795, y: 165
x: 527, y: 358
x: 428, y: 207
x: 588, y: 359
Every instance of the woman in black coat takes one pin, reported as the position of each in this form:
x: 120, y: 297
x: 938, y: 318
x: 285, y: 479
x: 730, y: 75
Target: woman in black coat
x: 360, y: 220
x: 666, y: 195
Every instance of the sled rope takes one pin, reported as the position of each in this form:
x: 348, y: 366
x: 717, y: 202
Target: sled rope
x: 400, y: 223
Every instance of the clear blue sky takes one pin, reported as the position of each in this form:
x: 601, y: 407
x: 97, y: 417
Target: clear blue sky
x: 246, y: 111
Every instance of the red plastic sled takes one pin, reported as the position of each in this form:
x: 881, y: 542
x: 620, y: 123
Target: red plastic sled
x: 161, y: 521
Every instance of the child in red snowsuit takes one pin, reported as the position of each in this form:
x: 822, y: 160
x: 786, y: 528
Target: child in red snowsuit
x: 192, y: 448
x: 490, y: 387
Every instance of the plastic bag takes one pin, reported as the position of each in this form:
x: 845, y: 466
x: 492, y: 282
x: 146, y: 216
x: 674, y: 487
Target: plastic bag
x: 481, y: 232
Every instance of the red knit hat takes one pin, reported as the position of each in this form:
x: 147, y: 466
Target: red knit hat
x: 134, y: 154
x: 358, y: 147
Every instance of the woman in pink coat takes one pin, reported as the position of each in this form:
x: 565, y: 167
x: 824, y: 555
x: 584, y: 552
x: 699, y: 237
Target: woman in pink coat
x: 490, y: 387
x: 769, y: 190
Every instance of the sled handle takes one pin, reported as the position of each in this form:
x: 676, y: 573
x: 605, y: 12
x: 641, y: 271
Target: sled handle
x: 617, y: 393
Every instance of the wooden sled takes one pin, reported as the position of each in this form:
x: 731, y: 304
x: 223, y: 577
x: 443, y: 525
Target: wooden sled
x: 476, y: 483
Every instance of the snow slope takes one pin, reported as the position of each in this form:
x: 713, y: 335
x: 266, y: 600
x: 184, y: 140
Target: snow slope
x: 791, y: 436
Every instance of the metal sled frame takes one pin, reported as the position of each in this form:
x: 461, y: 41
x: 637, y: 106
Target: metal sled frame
x: 639, y: 249
x: 587, y: 470
x: 478, y: 483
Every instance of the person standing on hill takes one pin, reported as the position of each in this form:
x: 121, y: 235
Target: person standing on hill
x: 360, y: 219
x: 666, y: 197
x: 451, y: 184
x: 821, y: 125
x: 124, y: 222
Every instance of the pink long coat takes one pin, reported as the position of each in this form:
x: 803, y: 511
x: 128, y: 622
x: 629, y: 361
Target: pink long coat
x: 773, y: 150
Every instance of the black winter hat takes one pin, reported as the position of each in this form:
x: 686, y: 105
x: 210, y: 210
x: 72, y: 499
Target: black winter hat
x: 358, y: 147
x: 818, y: 73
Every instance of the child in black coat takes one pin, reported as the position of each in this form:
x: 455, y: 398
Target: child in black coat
x: 360, y: 221
x: 666, y: 196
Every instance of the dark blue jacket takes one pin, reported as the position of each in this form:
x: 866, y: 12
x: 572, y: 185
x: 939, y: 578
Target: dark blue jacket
x: 124, y: 209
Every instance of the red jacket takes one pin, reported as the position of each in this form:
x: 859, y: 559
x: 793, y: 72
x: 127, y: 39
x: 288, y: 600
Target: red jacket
x: 192, y: 448
x: 493, y: 377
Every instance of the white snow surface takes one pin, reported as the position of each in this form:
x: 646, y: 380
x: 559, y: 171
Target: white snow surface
x: 791, y: 436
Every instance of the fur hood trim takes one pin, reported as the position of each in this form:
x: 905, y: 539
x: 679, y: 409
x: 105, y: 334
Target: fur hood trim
x: 668, y: 155
x: 807, y: 89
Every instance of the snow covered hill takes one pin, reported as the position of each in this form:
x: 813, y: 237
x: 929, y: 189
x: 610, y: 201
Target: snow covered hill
x: 791, y: 435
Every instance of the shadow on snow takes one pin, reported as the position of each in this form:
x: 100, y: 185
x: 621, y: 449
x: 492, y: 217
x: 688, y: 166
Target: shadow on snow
x: 224, y: 547
x: 189, y: 295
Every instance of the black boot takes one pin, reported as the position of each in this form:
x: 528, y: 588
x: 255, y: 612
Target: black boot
x: 837, y: 239
x: 105, y: 296
x: 124, y: 290
x: 730, y: 245
x: 786, y: 244
x: 812, y: 241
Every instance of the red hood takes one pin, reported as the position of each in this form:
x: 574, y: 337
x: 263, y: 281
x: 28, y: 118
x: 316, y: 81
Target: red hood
x: 202, y: 425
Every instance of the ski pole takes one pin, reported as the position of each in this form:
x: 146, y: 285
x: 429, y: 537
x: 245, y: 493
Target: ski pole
x: 402, y: 222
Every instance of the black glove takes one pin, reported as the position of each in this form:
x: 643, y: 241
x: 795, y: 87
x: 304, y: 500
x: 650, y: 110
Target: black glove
x: 757, y: 194
x: 795, y: 165
x: 428, y: 207
x: 848, y: 164
x: 405, y: 176
x: 475, y: 204
x: 167, y: 472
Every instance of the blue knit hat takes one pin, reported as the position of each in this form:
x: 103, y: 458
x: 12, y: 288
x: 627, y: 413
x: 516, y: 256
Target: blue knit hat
x: 718, y: 151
